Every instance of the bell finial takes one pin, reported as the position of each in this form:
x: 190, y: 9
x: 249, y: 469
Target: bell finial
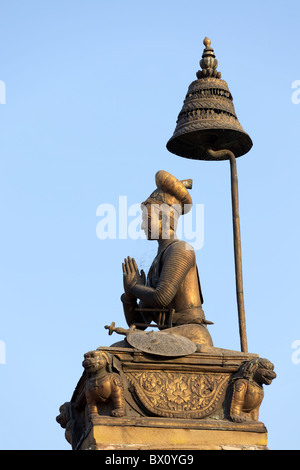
x: 206, y: 42
x: 208, y: 63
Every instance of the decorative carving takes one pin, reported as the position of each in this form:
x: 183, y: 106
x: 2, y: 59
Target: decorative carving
x: 102, y: 384
x: 179, y: 395
x: 160, y: 392
x: 208, y: 62
x: 248, y: 392
x: 65, y: 419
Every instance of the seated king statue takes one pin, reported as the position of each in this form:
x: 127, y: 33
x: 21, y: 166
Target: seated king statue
x: 170, y: 297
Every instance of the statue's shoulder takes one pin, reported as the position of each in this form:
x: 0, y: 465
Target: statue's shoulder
x: 182, y: 247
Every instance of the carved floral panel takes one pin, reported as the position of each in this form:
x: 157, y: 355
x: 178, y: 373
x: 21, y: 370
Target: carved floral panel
x: 179, y: 395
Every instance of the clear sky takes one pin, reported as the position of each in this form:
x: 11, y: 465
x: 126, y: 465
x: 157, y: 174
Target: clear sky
x: 90, y: 93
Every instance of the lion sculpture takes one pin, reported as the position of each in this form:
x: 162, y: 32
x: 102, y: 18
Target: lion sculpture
x: 248, y: 391
x: 102, y: 384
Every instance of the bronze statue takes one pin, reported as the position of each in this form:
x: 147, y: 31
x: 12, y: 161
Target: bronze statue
x: 171, y: 295
x: 172, y: 386
x: 248, y: 392
x: 102, y: 384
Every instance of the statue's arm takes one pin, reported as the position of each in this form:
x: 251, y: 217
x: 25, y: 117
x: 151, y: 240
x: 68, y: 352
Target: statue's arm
x: 129, y: 307
x: 131, y: 275
x: 177, y: 262
x: 132, y: 314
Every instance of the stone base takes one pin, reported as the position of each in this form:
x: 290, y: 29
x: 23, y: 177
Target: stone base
x: 108, y: 433
x: 147, y: 402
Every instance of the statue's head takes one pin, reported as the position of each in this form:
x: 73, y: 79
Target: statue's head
x: 95, y: 360
x: 164, y: 206
x: 260, y: 371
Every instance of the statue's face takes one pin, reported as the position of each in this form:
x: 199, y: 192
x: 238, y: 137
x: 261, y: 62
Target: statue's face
x: 158, y: 221
x: 151, y: 222
x: 93, y: 361
x: 265, y: 373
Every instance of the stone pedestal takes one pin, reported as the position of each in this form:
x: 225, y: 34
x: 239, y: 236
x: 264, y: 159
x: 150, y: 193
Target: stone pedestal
x: 107, y: 433
x: 166, y: 403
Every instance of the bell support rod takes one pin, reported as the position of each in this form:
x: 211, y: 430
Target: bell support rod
x: 237, y: 241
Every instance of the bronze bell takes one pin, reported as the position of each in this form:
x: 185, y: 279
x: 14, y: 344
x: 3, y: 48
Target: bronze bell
x: 207, y: 119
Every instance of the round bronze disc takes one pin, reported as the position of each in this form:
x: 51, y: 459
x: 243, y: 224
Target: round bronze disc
x: 161, y: 344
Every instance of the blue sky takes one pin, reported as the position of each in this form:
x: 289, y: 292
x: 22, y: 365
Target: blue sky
x: 93, y: 90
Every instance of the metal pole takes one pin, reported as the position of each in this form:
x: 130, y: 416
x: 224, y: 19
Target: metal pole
x: 220, y: 154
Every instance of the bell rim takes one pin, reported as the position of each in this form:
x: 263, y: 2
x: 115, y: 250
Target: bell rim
x: 180, y: 147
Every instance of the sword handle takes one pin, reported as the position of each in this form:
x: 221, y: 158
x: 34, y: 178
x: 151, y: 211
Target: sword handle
x: 121, y: 331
